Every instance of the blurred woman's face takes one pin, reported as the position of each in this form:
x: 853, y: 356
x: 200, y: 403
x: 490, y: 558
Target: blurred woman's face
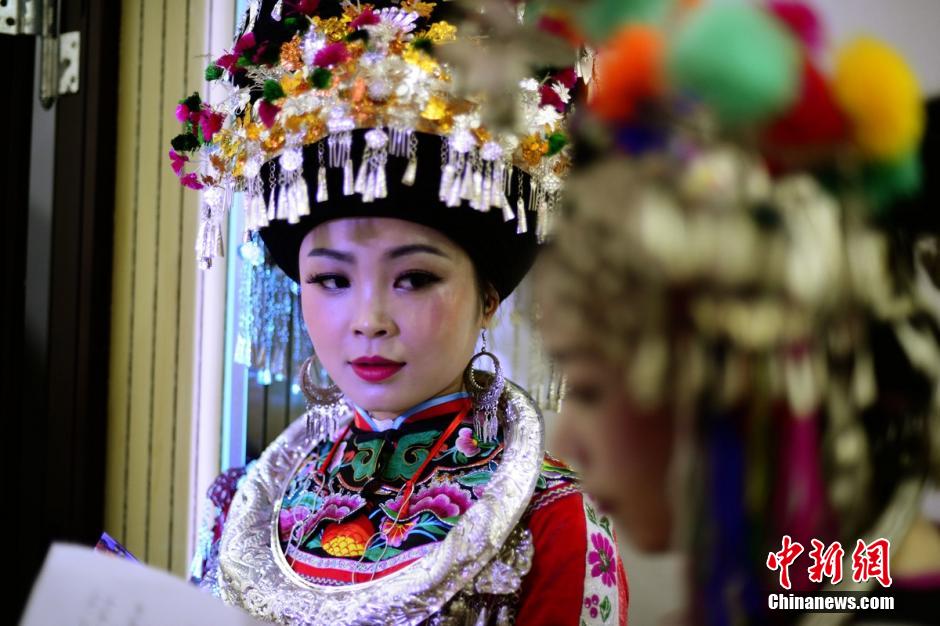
x: 622, y: 455
x: 392, y: 308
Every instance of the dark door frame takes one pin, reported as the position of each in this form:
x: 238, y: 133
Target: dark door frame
x: 57, y: 387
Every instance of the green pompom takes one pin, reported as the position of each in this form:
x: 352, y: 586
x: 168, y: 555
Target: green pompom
x: 213, y: 72
x: 424, y: 44
x: 293, y: 23
x: 887, y: 183
x: 739, y: 60
x: 186, y: 142
x: 556, y: 141
x: 321, y: 78
x: 243, y: 61
x: 193, y: 102
x: 272, y: 90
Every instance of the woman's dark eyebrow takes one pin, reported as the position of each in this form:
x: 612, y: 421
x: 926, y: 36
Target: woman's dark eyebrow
x: 401, y: 251
x: 333, y: 254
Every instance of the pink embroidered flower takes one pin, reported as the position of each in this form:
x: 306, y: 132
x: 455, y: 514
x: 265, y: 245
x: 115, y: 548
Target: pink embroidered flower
x: 395, y: 534
x: 333, y: 54
x: 210, y: 122
x: 268, y: 112
x: 288, y: 518
x: 366, y: 18
x: 177, y: 162
x: 191, y: 181
x: 336, y: 507
x: 444, y: 500
x: 466, y: 443
x: 591, y: 604
x: 602, y: 558
x: 333, y: 508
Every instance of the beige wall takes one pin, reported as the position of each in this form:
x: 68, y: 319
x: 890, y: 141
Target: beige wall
x: 165, y: 374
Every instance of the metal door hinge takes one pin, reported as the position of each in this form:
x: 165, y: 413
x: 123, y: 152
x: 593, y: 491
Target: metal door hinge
x: 19, y: 17
x: 60, y: 53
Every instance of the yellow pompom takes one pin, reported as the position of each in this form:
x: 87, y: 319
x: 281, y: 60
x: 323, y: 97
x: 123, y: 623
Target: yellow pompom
x: 880, y: 94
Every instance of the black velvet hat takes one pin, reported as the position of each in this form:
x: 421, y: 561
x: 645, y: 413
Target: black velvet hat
x: 500, y: 254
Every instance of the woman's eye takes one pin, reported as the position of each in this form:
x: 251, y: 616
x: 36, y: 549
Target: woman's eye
x: 329, y: 282
x: 415, y: 280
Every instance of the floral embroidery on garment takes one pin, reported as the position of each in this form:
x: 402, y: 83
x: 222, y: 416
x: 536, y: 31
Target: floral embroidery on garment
x: 358, y: 522
x: 601, y: 598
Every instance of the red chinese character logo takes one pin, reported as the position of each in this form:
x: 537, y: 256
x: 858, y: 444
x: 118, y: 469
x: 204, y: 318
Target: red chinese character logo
x: 782, y: 560
x: 826, y: 562
x: 871, y: 561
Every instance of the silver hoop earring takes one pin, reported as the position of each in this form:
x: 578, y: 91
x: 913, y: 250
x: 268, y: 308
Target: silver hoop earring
x: 485, y: 397
x: 325, y: 405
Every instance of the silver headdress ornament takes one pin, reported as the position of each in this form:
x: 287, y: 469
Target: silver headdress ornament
x: 364, y: 69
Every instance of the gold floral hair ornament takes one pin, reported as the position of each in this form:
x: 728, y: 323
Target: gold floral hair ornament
x: 326, y: 73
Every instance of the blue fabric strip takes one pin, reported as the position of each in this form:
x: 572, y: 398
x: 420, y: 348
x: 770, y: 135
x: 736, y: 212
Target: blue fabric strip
x: 398, y: 421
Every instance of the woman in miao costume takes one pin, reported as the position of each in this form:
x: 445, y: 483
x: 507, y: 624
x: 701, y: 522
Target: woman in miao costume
x: 416, y: 489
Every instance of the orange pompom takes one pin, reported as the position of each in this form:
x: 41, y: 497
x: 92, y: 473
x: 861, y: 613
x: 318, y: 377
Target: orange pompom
x: 628, y: 71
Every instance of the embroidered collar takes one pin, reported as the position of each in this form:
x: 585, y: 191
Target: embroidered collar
x: 254, y: 573
x: 434, y: 407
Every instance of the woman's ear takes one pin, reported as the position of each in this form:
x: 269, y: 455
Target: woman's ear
x: 490, y: 304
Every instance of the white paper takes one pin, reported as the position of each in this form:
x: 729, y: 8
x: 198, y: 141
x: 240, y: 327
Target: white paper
x: 81, y: 587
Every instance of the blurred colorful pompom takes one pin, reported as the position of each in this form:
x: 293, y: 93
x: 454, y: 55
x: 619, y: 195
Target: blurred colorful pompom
x: 739, y: 60
x: 802, y: 21
x: 880, y: 95
x: 886, y: 183
x: 815, y: 119
x: 628, y: 71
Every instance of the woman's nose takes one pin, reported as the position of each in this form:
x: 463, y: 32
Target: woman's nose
x: 372, y: 319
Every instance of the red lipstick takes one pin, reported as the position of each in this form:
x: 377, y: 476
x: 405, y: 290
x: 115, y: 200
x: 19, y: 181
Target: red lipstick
x: 373, y: 369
